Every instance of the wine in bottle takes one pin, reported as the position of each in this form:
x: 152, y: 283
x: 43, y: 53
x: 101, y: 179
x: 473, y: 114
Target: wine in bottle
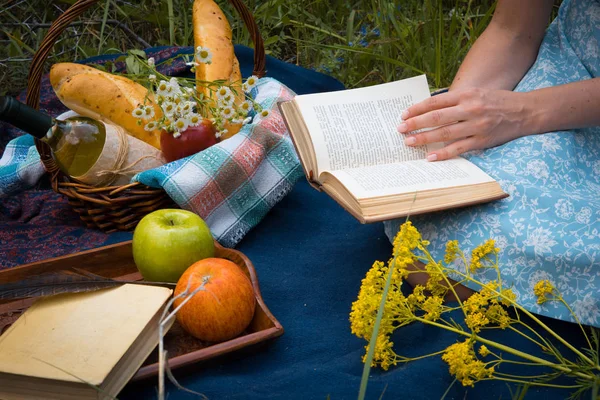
x: 91, y: 151
x: 76, y: 142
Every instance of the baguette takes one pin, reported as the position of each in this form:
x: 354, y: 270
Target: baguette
x: 103, y: 96
x: 212, y: 31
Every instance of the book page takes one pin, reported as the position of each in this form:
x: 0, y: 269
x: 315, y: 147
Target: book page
x: 413, y: 176
x: 358, y: 127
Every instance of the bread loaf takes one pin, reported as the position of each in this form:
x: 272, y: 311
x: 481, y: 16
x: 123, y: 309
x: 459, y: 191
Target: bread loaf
x: 212, y: 31
x: 103, y: 96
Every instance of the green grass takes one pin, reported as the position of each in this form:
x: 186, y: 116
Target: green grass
x: 360, y: 42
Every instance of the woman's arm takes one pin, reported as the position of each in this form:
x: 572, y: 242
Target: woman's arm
x: 489, y: 118
x: 481, y: 111
x: 507, y: 48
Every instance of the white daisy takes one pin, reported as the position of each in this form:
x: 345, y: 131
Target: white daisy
x: 150, y: 126
x: 181, y: 124
x: 151, y: 61
x: 152, y: 78
x: 186, y: 107
x: 245, y: 88
x: 203, y: 55
x: 246, y: 106
x: 222, y: 103
x: 148, y: 112
x: 169, y: 108
x: 264, y: 113
x: 163, y: 89
x: 194, y: 119
x: 138, y: 112
x: 228, y: 99
x: 223, y: 92
x: 251, y: 82
x: 227, y: 112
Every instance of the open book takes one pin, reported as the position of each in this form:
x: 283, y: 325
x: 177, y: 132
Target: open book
x: 350, y: 148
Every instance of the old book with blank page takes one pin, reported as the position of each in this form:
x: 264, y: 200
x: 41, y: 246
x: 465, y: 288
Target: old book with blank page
x: 349, y: 147
x: 80, y: 345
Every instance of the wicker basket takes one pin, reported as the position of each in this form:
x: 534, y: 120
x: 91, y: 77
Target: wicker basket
x: 112, y: 208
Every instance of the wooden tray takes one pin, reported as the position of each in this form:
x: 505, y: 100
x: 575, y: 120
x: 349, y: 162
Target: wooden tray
x: 116, y: 261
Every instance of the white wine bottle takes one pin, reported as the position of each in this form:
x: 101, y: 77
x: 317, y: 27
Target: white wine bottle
x: 76, y: 142
x: 91, y: 151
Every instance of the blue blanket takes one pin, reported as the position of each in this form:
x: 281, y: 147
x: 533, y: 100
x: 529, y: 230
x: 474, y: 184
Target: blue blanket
x: 310, y: 256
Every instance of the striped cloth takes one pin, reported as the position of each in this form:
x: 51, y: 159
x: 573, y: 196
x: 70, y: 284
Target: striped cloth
x: 231, y: 185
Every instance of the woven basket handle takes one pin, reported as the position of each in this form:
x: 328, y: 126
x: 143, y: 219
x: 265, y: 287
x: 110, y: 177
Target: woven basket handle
x: 62, y: 22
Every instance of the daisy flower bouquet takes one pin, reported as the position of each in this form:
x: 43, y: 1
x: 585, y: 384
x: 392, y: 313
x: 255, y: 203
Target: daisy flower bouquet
x: 176, y: 104
x: 382, y: 307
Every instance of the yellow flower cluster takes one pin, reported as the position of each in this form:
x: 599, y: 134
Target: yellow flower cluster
x: 452, y: 251
x: 397, y: 311
x: 542, y: 290
x: 464, y: 365
x: 480, y: 253
x: 487, y: 307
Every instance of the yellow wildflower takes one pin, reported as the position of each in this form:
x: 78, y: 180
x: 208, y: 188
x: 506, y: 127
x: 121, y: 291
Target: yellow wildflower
x: 475, y: 303
x: 542, y: 289
x: 417, y: 297
x: 509, y: 297
x: 484, y: 351
x: 480, y: 253
x: 498, y: 315
x: 489, y: 289
x: 384, y: 354
x: 406, y: 240
x: 476, y: 321
x: 436, y: 284
x: 462, y: 363
x: 451, y: 251
x: 433, y: 308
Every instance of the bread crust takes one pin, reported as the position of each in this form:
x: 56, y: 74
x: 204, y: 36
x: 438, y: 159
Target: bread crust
x: 212, y: 31
x: 103, y: 96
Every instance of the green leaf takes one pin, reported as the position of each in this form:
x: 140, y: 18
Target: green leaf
x: 350, y: 26
x: 137, y: 52
x: 271, y: 40
x: 133, y: 66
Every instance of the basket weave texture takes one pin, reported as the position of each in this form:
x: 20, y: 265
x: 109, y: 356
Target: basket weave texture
x: 110, y: 208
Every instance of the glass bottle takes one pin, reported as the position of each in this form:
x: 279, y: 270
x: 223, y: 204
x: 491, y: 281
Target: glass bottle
x: 76, y: 142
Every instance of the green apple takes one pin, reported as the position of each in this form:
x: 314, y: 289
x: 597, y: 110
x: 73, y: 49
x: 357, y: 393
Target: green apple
x: 166, y: 242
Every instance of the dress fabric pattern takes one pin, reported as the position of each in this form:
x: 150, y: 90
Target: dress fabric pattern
x: 549, y: 227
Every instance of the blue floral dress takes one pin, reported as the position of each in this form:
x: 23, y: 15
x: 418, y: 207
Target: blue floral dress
x: 549, y: 227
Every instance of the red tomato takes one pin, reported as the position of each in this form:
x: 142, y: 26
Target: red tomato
x: 193, y: 140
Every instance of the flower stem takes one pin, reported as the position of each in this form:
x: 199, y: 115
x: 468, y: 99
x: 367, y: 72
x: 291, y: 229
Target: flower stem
x: 537, y: 320
x: 536, y: 383
x: 510, y: 350
x: 372, y: 342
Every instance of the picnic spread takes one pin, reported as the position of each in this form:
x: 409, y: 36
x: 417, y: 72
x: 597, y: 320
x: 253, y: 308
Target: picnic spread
x: 284, y: 255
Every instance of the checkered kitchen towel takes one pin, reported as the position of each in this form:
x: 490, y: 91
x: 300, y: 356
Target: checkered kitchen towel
x: 231, y: 185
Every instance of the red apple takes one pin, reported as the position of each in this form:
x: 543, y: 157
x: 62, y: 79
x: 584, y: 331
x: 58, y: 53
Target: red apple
x: 191, y: 141
x: 226, y: 305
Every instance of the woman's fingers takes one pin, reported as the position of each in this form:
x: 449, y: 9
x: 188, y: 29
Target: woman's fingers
x: 432, y: 119
x: 444, y: 133
x: 453, y: 149
x: 437, y: 102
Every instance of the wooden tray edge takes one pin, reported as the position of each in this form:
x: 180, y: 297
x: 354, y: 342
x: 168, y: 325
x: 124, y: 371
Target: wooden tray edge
x: 206, y: 353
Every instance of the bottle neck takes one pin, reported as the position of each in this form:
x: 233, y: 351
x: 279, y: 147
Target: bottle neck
x: 32, y: 121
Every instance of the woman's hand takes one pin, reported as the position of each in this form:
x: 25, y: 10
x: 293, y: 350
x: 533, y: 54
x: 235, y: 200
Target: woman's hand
x: 466, y: 119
